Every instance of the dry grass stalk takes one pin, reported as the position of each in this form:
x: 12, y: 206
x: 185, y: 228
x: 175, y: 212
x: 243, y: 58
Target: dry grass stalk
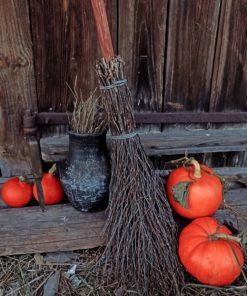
x: 141, y: 251
x: 24, y: 275
x: 88, y: 116
x: 27, y: 276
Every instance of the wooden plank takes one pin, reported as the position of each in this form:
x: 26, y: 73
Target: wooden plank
x: 230, y: 67
x: 236, y: 197
x: 232, y: 171
x: 60, y: 228
x: 54, y: 246
x: 159, y: 150
x: 55, y: 148
x: 192, y: 117
x: 192, y: 29
x: 17, y: 85
x: 141, y: 43
x: 236, y: 218
x: 65, y: 47
x: 55, y: 118
x: 230, y: 70
x: 169, y: 143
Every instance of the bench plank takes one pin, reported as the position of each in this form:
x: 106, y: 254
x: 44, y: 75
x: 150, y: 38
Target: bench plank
x: 59, y: 228
x: 169, y: 143
x: 62, y: 228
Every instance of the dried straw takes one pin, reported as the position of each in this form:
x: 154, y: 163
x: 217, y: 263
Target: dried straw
x: 88, y: 116
x: 28, y: 274
x: 141, y: 251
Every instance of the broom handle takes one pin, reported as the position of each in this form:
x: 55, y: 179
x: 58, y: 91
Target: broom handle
x: 103, y: 30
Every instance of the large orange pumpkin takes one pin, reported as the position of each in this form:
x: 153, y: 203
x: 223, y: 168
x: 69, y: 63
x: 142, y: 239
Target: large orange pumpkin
x: 209, y: 252
x: 194, y: 190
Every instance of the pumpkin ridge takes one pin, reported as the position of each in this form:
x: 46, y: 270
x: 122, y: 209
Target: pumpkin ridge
x: 201, y: 227
x: 206, y: 249
x: 218, y: 226
x: 190, y: 253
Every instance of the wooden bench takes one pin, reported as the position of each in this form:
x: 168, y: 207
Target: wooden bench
x: 167, y: 143
x: 61, y: 227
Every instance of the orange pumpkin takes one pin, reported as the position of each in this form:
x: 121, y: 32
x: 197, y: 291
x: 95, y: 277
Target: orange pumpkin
x: 194, y: 191
x: 52, y: 188
x: 17, y: 192
x: 209, y: 252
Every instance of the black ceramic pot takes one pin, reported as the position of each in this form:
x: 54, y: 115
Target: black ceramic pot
x: 85, y: 176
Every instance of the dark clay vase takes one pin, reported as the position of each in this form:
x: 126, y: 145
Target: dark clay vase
x: 85, y: 176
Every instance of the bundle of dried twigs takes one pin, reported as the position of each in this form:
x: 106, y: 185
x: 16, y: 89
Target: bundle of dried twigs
x: 141, y: 233
x: 141, y: 250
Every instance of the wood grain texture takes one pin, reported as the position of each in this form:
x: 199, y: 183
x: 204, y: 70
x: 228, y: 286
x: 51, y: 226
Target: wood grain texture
x: 60, y: 228
x: 169, y: 143
x: 229, y: 84
x: 17, y: 85
x: 235, y: 216
x: 192, y: 29
x: 66, y: 46
x: 56, y: 118
x: 103, y: 30
x: 141, y: 43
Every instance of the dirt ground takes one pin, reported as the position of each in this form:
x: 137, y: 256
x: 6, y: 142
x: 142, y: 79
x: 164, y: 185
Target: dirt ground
x: 62, y: 273
x: 67, y: 273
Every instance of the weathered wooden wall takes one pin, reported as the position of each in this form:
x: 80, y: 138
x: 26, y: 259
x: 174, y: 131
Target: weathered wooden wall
x: 192, y: 31
x: 17, y: 85
x: 181, y: 55
x: 65, y: 46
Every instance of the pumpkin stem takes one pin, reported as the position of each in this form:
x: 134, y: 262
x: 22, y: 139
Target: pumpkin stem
x: 197, y: 172
x: 179, y: 160
x: 22, y: 179
x: 52, y: 169
x: 217, y: 236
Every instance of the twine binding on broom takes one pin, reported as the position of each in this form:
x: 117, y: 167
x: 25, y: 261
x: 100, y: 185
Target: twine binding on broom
x: 124, y: 136
x: 117, y: 83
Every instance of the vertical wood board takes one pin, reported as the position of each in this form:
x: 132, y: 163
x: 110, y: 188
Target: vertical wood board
x: 141, y: 43
x: 65, y: 47
x: 192, y: 29
x: 229, y: 85
x: 17, y: 85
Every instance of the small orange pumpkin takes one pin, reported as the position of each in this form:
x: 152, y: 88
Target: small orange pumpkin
x: 52, y: 188
x: 17, y: 192
x: 194, y: 190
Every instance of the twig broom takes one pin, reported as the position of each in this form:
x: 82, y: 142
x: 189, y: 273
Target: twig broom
x: 141, y: 250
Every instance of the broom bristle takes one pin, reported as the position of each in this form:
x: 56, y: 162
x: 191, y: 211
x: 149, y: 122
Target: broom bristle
x: 141, y: 250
